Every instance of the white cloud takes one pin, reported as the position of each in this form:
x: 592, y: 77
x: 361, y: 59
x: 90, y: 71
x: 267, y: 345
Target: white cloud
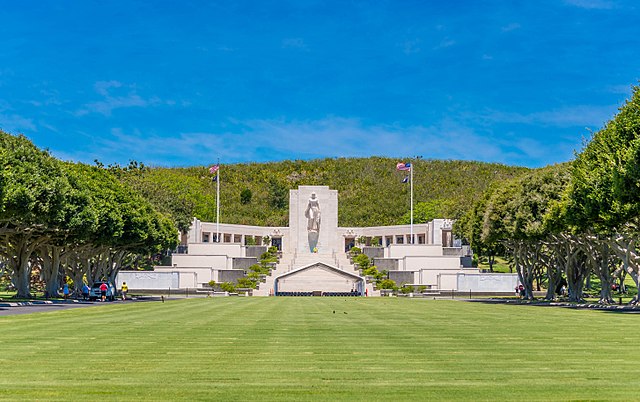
x: 591, y: 4
x: 14, y: 123
x: 103, y: 87
x: 117, y: 101
x: 510, y: 27
x: 572, y: 116
x: 411, y: 46
x: 294, y: 43
x: 279, y: 139
x: 445, y: 43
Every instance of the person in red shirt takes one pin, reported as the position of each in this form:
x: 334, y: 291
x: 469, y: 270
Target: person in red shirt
x: 103, y: 291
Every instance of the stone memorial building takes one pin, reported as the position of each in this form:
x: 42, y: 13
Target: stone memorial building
x: 314, y: 257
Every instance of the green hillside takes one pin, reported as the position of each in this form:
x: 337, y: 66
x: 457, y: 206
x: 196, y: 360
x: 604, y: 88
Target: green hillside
x: 370, y: 190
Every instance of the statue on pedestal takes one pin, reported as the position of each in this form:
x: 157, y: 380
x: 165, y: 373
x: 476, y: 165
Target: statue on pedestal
x: 312, y: 213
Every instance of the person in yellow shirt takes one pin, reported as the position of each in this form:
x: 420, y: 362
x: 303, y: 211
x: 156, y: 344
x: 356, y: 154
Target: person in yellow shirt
x: 124, y: 291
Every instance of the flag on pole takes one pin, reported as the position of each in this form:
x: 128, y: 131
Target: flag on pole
x: 403, y: 166
x: 215, y: 178
x: 406, y: 179
x: 214, y: 169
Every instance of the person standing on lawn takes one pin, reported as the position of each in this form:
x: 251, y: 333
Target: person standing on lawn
x: 124, y: 291
x: 103, y: 291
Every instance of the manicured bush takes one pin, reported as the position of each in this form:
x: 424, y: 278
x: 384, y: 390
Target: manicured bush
x: 246, y: 283
x: 228, y: 287
x: 387, y: 284
x: 362, y: 260
x: 406, y: 289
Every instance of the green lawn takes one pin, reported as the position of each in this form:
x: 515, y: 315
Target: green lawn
x: 299, y: 349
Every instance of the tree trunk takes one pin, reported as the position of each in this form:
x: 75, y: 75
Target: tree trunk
x: 51, y: 270
x: 21, y: 267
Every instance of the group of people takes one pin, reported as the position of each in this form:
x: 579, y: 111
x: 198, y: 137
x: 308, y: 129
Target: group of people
x: 103, y: 291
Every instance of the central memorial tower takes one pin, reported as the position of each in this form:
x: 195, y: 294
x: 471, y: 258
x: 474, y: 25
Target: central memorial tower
x: 313, y: 220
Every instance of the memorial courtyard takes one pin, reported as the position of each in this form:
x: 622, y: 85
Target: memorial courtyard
x: 319, y: 349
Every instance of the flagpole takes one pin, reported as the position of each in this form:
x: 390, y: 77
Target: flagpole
x: 411, y: 174
x: 218, y: 203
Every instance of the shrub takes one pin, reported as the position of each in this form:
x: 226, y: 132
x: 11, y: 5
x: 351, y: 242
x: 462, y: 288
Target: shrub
x: 245, y: 196
x: 362, y: 260
x: 212, y: 283
x: 254, y: 276
x: 273, y: 250
x: 387, y: 284
x: 355, y: 251
x: 370, y: 271
x: 228, y: 287
x: 406, y: 289
x: 247, y: 283
x: 422, y: 288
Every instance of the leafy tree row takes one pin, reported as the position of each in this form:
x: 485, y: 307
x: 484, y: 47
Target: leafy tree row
x: 69, y: 219
x: 569, y: 221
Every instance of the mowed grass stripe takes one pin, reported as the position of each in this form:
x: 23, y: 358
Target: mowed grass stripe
x: 318, y: 348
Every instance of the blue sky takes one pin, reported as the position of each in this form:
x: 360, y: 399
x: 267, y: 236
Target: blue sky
x: 184, y: 83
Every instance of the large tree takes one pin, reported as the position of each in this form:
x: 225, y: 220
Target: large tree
x: 33, y: 204
x: 604, y: 196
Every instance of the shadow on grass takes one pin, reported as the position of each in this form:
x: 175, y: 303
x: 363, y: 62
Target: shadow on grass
x: 606, y: 308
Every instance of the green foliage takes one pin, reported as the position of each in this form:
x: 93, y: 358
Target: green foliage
x: 278, y: 194
x: 362, y: 260
x: 355, y: 251
x: 387, y: 284
x: 604, y: 193
x: 523, y: 207
x: 406, y: 289
x: 247, y: 282
x: 245, y: 196
x: 228, y: 287
x: 426, y: 211
x: 212, y: 283
x: 370, y: 271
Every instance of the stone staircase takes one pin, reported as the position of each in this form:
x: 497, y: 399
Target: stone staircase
x: 290, y: 262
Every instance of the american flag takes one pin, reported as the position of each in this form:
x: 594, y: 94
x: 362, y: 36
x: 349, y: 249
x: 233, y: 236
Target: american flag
x: 214, y: 169
x: 403, y: 166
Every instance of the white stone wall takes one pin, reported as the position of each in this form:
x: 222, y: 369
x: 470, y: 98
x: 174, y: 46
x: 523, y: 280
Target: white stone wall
x: 229, y: 250
x: 487, y: 282
x: 446, y: 281
x: 211, y: 261
x: 413, y: 263
x: 148, y: 280
x: 405, y: 250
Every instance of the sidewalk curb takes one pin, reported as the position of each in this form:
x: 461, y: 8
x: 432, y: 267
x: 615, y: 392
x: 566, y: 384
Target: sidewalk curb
x: 36, y: 302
